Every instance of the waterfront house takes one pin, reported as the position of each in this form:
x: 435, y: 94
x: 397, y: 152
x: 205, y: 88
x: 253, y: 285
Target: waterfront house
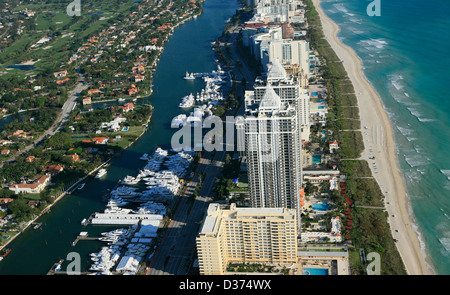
x: 132, y: 90
x: 33, y: 204
x: 127, y: 107
x: 34, y: 187
x: 87, y: 100
x: 139, y: 78
x: 93, y: 91
x: 100, y: 140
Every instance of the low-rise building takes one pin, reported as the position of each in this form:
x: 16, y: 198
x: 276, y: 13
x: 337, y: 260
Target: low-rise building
x: 34, y: 187
x: 87, y: 100
x: 100, y: 140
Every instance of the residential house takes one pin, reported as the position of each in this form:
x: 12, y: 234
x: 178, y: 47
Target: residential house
x: 87, y: 100
x: 139, y: 78
x: 333, y: 146
x: 100, y: 140
x: 132, y: 90
x: 54, y: 169
x: 63, y: 81
x: 75, y: 157
x: 61, y: 74
x: 30, y: 159
x: 35, y: 187
x: 93, y: 91
x: 128, y: 107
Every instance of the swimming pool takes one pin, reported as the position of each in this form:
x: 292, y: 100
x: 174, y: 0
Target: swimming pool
x: 314, y: 93
x: 316, y: 159
x: 321, y: 207
x: 315, y: 271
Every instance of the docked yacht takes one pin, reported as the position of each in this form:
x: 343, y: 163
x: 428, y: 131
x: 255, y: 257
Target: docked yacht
x: 179, y: 121
x: 189, y: 76
x: 116, y: 202
x: 130, y: 180
x: 102, y: 172
x: 187, y: 101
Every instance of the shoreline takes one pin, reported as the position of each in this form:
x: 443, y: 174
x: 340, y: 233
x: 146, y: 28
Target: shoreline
x: 379, y: 137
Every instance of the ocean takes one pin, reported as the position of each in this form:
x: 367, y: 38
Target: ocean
x: 405, y: 53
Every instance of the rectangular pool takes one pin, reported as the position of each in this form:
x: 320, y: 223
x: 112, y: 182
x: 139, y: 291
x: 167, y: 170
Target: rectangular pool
x: 315, y: 271
x: 321, y: 207
x: 316, y: 159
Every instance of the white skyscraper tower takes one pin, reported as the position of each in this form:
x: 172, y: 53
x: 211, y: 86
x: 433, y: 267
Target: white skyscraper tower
x: 273, y: 150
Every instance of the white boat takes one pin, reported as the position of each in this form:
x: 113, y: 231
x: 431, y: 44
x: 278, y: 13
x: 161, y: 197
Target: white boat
x: 178, y: 121
x: 130, y: 180
x: 187, y: 101
x: 102, y: 172
x: 189, y: 76
x: 81, y: 186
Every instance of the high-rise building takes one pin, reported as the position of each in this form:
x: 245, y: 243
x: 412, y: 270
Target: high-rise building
x: 254, y: 235
x: 290, y: 89
x: 273, y: 153
x: 289, y: 51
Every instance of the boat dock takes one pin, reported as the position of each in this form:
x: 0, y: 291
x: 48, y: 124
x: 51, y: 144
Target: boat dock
x: 56, y: 270
x: 83, y: 236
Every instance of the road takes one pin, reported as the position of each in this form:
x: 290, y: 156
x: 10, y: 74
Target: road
x: 176, y: 251
x: 66, y: 109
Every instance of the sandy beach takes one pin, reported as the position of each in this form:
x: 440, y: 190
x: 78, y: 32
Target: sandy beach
x: 379, y: 142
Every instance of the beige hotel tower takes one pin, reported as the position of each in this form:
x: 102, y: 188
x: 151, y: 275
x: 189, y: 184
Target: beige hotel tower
x: 252, y: 235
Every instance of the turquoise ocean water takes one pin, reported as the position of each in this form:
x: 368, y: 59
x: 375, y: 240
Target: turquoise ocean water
x: 405, y: 54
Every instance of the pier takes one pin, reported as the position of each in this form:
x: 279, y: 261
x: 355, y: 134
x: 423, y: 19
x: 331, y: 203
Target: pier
x: 55, y: 271
x: 84, y: 236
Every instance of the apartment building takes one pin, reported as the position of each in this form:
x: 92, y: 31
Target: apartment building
x: 254, y: 235
x: 273, y: 152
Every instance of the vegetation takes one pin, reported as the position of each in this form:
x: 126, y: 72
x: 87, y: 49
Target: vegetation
x: 75, y: 46
x: 370, y: 230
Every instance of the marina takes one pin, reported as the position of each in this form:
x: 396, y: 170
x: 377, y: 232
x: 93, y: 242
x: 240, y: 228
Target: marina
x: 156, y: 184
x: 211, y: 94
x: 126, y: 248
